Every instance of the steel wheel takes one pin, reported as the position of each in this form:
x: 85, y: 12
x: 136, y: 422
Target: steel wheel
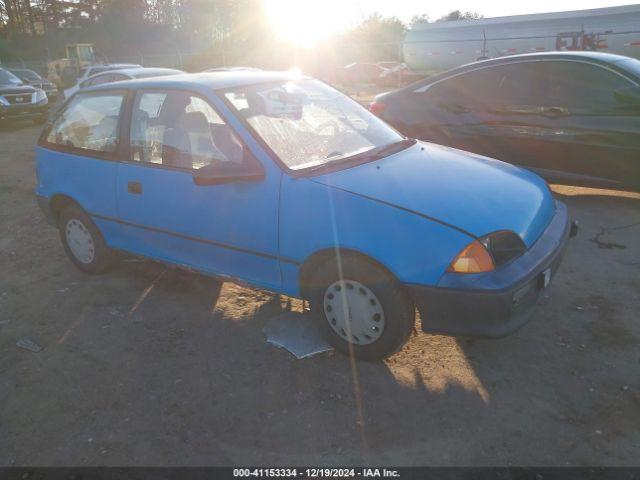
x: 354, y: 312
x: 80, y: 241
x: 360, y: 308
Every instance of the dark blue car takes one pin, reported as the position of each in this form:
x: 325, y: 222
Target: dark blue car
x: 571, y: 117
x: 284, y: 183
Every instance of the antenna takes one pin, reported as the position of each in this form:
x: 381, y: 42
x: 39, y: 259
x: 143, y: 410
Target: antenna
x: 484, y: 42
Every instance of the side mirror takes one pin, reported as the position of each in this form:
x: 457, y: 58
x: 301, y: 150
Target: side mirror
x: 219, y: 172
x: 628, y: 95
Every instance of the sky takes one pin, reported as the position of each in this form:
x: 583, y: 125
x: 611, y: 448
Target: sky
x: 307, y: 21
x: 405, y: 9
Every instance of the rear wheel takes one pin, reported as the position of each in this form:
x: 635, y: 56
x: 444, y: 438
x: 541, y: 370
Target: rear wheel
x: 83, y: 242
x: 361, y: 308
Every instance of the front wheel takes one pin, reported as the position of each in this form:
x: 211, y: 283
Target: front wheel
x: 83, y: 242
x: 361, y: 309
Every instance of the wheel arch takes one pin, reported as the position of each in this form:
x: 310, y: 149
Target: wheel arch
x: 332, y: 254
x: 59, y: 202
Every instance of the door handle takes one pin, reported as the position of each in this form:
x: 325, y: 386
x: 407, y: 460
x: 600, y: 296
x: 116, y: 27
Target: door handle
x: 135, y: 188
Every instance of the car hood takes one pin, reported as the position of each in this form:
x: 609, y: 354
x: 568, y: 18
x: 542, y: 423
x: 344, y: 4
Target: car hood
x: 469, y: 192
x: 16, y: 89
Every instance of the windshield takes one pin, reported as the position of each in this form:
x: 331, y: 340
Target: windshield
x: 307, y: 123
x: 8, y: 78
x: 28, y: 75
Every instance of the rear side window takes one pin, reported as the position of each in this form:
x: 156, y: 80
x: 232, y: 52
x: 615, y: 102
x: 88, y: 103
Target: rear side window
x: 105, y: 78
x: 493, y: 86
x: 92, y: 81
x: 88, y: 122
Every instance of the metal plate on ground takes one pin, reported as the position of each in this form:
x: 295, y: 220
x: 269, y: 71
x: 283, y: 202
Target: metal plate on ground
x: 297, y: 333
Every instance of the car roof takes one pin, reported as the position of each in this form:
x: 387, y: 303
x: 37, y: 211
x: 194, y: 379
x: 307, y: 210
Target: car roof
x: 204, y: 80
x: 594, y: 57
x: 110, y: 66
x: 133, y: 72
x: 114, y: 65
x: 599, y: 57
x: 232, y: 69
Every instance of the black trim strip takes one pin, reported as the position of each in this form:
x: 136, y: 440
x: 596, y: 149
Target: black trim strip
x: 196, y: 239
x: 393, y: 205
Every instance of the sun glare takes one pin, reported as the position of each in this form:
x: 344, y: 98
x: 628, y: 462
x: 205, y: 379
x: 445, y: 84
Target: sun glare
x: 303, y: 22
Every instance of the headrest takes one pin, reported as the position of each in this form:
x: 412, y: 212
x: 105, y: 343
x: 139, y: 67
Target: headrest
x: 194, y: 122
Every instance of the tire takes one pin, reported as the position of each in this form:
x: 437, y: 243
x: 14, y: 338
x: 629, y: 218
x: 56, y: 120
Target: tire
x: 83, y: 242
x: 380, y: 314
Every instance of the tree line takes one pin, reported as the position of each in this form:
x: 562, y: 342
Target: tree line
x: 211, y: 31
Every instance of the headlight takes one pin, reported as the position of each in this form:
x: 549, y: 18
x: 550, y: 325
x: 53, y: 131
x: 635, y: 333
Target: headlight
x: 504, y: 246
x: 39, y: 96
x: 4, y: 101
x: 488, y: 252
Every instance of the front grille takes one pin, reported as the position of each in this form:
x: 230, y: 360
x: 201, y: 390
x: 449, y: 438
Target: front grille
x: 18, y: 99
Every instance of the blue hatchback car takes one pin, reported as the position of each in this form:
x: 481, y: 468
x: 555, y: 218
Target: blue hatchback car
x: 282, y: 182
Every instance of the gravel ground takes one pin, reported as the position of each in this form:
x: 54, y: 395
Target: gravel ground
x: 149, y: 366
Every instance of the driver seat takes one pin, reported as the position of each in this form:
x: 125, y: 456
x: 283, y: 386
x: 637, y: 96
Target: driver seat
x: 189, y: 141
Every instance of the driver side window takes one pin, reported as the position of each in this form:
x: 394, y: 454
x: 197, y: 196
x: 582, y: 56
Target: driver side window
x: 180, y: 130
x: 577, y: 85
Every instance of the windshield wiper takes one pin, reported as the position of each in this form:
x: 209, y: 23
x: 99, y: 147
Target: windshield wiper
x: 386, y: 150
x: 366, y: 156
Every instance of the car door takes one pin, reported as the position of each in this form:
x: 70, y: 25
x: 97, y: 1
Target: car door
x: 227, y: 227
x: 559, y: 118
x: 485, y: 111
x: 78, y: 155
x: 586, y: 133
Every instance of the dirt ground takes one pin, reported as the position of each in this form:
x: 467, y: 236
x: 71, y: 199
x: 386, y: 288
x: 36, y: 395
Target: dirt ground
x: 144, y: 366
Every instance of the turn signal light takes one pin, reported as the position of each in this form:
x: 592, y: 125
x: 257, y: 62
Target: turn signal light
x: 473, y: 259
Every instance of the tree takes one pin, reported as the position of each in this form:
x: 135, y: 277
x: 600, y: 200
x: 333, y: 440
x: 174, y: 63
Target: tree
x: 419, y: 19
x: 377, y: 38
x: 456, y: 15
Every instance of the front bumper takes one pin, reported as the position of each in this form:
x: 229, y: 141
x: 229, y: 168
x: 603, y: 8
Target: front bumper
x: 16, y: 112
x: 497, y: 303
